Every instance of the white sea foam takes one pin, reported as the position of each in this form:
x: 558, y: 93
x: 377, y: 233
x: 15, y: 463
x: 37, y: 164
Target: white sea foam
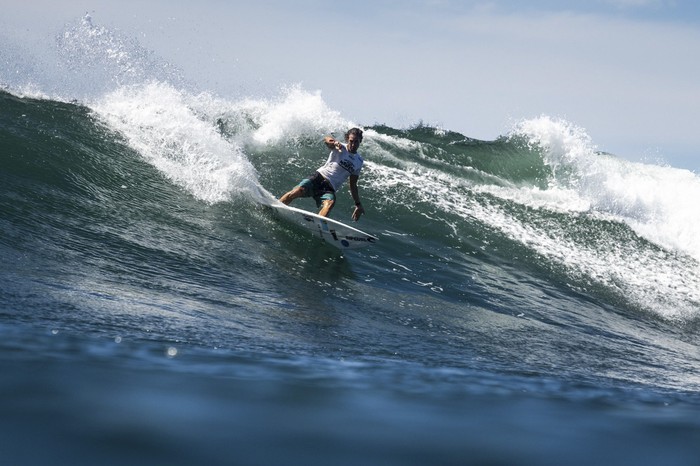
x: 659, y: 203
x: 591, y: 184
x: 157, y: 121
x: 297, y: 112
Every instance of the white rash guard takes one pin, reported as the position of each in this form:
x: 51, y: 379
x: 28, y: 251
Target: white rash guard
x: 340, y: 165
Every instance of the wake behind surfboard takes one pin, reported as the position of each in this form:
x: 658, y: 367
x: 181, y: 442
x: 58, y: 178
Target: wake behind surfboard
x: 332, y: 231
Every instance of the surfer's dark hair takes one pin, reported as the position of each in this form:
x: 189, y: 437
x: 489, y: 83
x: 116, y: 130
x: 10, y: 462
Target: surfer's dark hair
x: 356, y: 131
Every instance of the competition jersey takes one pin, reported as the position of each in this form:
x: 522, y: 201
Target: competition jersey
x: 339, y: 166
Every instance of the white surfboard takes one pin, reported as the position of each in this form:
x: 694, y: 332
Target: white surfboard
x: 332, y: 231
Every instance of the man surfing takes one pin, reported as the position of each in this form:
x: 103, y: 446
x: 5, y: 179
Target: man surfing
x: 343, y: 162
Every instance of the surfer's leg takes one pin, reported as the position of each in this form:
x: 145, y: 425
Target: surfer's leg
x: 298, y: 191
x: 326, y: 207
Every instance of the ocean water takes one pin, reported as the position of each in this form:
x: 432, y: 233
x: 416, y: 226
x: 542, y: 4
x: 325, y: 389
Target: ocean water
x: 531, y: 300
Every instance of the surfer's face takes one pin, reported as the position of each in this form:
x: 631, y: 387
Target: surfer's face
x: 353, y: 143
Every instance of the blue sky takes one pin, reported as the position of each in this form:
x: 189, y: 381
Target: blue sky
x: 625, y: 70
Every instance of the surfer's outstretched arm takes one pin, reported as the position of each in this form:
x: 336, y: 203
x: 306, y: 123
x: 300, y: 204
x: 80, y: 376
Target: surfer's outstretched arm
x: 359, y: 210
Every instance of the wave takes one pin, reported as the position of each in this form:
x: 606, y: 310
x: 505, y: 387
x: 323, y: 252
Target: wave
x: 541, y: 195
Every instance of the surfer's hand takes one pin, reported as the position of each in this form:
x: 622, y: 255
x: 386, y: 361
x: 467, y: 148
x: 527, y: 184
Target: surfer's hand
x: 332, y: 143
x: 359, y: 210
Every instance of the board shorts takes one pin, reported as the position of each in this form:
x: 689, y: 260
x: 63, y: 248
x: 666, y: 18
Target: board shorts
x: 319, y: 188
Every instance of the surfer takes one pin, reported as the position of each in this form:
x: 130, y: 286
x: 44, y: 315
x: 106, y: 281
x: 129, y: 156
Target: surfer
x: 343, y: 162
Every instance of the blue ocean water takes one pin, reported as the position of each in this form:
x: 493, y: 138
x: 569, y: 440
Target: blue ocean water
x: 531, y: 300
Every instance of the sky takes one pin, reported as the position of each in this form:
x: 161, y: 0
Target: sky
x: 627, y: 71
